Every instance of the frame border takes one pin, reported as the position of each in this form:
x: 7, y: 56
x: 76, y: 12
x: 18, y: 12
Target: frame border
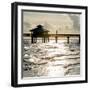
x: 14, y: 43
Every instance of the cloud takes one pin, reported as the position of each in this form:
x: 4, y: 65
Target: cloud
x: 76, y: 21
x: 64, y: 23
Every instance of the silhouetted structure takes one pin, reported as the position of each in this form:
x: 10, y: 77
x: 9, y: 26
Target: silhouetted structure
x: 39, y: 31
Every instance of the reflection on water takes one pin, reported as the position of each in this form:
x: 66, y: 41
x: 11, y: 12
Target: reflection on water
x: 51, y: 59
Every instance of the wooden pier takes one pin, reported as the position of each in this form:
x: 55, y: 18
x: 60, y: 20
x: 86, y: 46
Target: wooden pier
x: 56, y: 36
x: 68, y: 36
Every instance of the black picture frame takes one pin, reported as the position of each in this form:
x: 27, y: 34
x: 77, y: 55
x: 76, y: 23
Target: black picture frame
x: 14, y: 43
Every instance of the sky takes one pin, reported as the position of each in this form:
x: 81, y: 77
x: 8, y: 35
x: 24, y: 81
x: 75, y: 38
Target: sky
x: 62, y: 22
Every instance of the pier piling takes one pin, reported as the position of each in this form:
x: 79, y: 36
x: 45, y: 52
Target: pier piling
x: 56, y: 39
x: 79, y: 39
x: 68, y: 39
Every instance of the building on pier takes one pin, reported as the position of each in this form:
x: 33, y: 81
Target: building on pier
x: 39, y: 31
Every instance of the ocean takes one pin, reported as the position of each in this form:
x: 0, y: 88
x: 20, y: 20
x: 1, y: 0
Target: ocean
x: 51, y: 59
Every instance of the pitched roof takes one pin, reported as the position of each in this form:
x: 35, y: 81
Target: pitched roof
x: 39, y: 28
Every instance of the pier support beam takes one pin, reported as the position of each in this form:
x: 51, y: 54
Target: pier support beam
x: 35, y: 40
x: 79, y: 39
x: 56, y: 39
x: 56, y: 36
x: 44, y: 39
x: 32, y: 39
x: 48, y: 39
x: 68, y: 39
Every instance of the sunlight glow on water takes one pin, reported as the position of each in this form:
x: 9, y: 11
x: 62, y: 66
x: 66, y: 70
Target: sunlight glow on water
x: 51, y: 59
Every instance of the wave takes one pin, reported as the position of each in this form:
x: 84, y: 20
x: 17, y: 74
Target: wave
x: 45, y: 59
